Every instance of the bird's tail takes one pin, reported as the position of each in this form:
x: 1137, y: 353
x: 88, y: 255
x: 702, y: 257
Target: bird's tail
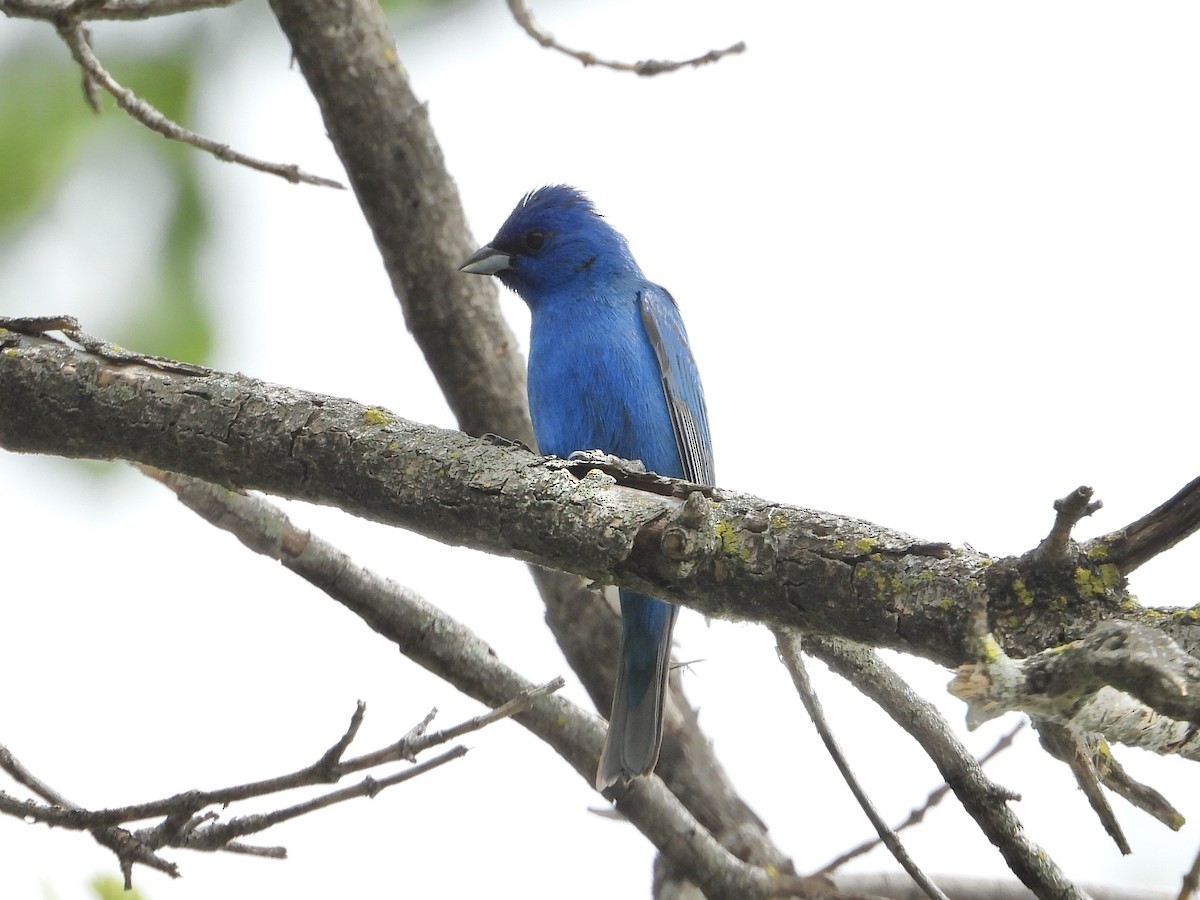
x: 636, y: 722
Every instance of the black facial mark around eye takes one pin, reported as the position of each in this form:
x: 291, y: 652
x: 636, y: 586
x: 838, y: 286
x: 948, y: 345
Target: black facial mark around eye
x: 534, y: 240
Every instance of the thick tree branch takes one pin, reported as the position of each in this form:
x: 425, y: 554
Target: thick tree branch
x: 735, y: 557
x: 1160, y: 529
x: 89, y: 10
x: 382, y: 135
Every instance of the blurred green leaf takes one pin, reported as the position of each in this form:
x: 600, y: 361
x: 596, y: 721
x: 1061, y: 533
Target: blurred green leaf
x: 43, y: 119
x: 108, y: 888
x: 175, y: 318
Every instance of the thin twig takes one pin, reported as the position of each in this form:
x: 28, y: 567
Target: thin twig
x: 1071, y: 746
x: 187, y: 825
x: 71, y: 30
x: 645, y: 67
x: 983, y: 799
x: 918, y: 815
x: 788, y: 644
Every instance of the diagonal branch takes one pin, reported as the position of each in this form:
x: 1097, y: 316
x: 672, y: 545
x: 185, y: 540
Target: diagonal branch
x: 986, y: 801
x: 788, y: 644
x: 69, y: 24
x: 918, y: 815
x: 1159, y: 530
x: 449, y: 650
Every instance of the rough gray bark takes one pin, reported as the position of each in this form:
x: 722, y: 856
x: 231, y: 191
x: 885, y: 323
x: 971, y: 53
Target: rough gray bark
x: 725, y: 554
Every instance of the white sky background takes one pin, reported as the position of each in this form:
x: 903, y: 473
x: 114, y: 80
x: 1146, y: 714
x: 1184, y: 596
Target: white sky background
x: 938, y: 265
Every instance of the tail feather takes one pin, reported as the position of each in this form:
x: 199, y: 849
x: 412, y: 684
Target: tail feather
x: 636, y: 722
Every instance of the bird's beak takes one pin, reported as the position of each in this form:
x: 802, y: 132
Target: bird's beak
x: 487, y: 260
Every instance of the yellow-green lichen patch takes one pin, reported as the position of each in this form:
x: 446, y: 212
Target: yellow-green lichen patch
x: 1022, y: 593
x: 728, y: 537
x: 1098, y: 552
x: 778, y: 522
x: 864, y: 545
x: 945, y: 604
x: 373, y: 415
x: 991, y: 650
x: 1058, y: 604
x: 1097, y: 582
x: 839, y: 545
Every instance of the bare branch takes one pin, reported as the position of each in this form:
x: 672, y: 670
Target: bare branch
x: 68, y: 21
x: 918, y: 815
x: 90, y: 10
x: 982, y: 798
x: 1191, y: 881
x: 1073, y: 748
x: 899, y: 887
x: 189, y: 821
x: 1160, y: 529
x: 647, y: 67
x: 449, y: 650
x: 788, y: 644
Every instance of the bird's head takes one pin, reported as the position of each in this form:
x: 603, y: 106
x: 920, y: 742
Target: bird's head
x: 554, y: 241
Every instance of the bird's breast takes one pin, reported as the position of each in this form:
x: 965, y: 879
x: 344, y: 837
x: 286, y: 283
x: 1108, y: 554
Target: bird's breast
x: 594, y: 384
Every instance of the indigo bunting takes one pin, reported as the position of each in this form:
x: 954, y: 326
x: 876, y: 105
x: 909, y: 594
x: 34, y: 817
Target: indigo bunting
x: 610, y: 369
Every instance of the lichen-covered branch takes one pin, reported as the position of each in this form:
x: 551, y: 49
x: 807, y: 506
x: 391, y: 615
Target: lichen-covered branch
x: 730, y: 556
x: 1131, y: 684
x: 734, y: 557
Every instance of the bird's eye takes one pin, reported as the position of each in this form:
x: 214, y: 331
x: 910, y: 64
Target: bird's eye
x: 534, y: 240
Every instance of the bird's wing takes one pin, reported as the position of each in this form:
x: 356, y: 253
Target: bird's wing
x: 680, y: 382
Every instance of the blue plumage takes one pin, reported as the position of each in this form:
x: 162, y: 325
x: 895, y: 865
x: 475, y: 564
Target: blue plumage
x: 610, y: 369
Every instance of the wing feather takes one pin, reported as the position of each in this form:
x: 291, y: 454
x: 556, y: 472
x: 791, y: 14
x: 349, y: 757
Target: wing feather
x: 680, y: 382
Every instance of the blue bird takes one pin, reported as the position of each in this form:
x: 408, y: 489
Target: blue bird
x: 610, y: 369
